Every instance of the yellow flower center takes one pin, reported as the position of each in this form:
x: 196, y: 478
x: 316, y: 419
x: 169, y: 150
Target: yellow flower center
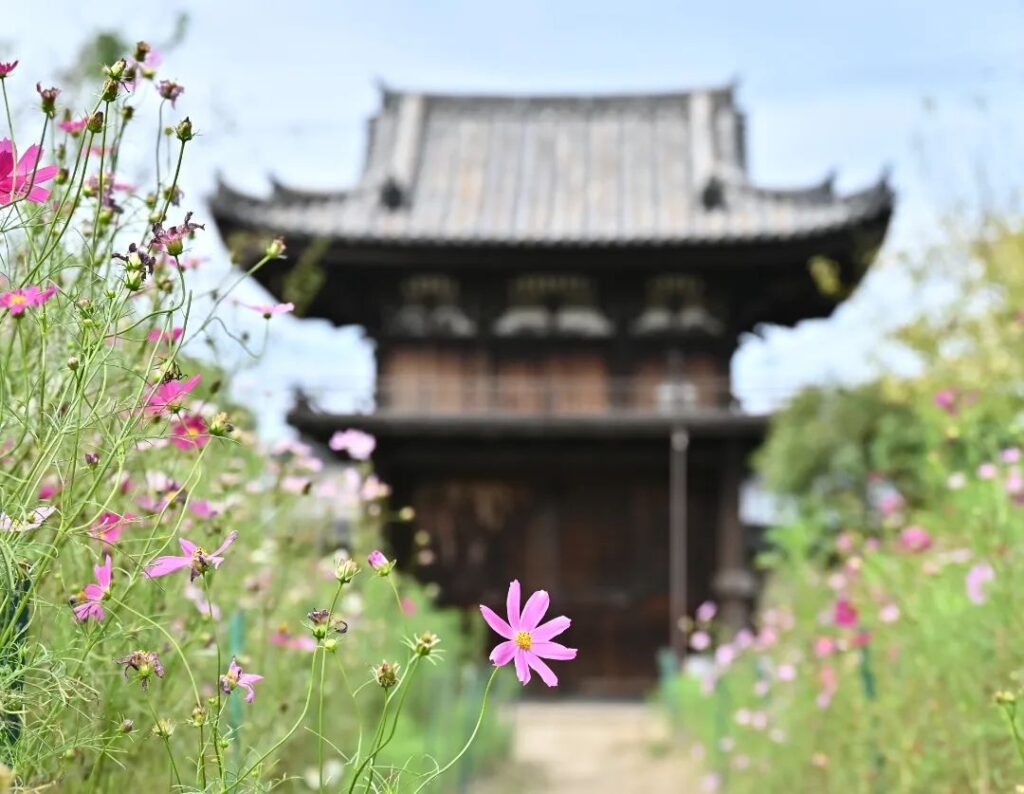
x: 18, y: 300
x: 524, y: 640
x: 192, y: 431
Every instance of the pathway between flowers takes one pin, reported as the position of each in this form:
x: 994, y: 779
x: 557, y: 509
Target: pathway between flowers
x: 590, y: 748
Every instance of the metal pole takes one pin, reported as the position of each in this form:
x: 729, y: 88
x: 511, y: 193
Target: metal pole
x: 678, y: 539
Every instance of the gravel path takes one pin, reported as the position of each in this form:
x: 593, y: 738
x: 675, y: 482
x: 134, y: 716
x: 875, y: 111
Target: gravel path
x: 591, y: 748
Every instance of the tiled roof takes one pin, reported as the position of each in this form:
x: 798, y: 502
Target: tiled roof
x: 613, y: 169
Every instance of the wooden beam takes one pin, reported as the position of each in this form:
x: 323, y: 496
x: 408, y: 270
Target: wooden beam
x: 678, y: 539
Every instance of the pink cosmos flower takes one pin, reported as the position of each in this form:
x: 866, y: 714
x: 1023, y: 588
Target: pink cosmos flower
x: 170, y: 90
x: 236, y: 677
x: 194, y: 557
x: 91, y: 599
x: 915, y: 540
x: 74, y: 126
x: 168, y: 396
x: 173, y: 238
x: 190, y: 432
x: 987, y: 471
x: 1010, y: 455
x: 17, y: 301
x: 844, y: 614
x: 269, y: 309
x: 358, y: 444
x: 706, y: 612
x: 824, y: 646
x: 109, y: 526
x: 161, y: 336
x: 700, y: 641
x: 22, y: 181
x: 786, y: 672
x: 7, y: 68
x: 527, y: 641
x: 373, y: 489
x: 282, y: 638
x: 889, y: 613
x: 203, y: 508
x: 977, y: 577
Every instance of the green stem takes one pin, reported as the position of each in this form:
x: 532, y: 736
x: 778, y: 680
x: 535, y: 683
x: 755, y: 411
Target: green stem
x: 472, y: 736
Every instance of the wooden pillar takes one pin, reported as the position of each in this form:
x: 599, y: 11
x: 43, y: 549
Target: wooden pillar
x: 734, y: 584
x: 678, y: 539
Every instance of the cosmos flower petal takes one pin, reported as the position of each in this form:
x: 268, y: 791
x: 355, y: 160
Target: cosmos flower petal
x: 546, y: 674
x: 553, y: 650
x: 227, y: 542
x: 93, y: 591
x: 552, y: 628
x: 512, y: 604
x: 162, y: 566
x: 535, y: 609
x: 499, y: 626
x: 503, y: 653
x: 103, y: 573
x: 187, y: 546
x: 522, y: 668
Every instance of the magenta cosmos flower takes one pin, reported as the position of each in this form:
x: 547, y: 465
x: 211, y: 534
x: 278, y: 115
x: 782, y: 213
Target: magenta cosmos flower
x: 190, y: 432
x: 270, y: 309
x: 109, y: 526
x: 17, y: 301
x: 527, y: 641
x: 161, y: 336
x: 7, y: 68
x: 168, y: 396
x: 22, y: 181
x: 90, y: 600
x: 236, y: 677
x: 194, y: 557
x: 845, y: 614
x: 74, y: 126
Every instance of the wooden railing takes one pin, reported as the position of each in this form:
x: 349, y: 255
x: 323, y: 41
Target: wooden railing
x: 560, y: 396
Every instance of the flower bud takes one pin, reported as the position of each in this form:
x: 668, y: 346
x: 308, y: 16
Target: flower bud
x: 109, y: 90
x: 1005, y: 697
x: 73, y: 363
x: 184, y: 131
x: 163, y: 728
x: 95, y: 122
x: 381, y: 564
x: 126, y: 726
x: 117, y: 69
x: 220, y: 426
x: 346, y: 570
x: 425, y: 643
x: 275, y: 249
x: 198, y: 717
x: 142, y: 49
x: 48, y: 99
x: 92, y: 459
x: 61, y: 177
x: 127, y: 112
x: 331, y: 645
x: 386, y: 674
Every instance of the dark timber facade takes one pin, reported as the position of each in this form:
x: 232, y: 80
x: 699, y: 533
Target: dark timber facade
x: 555, y: 286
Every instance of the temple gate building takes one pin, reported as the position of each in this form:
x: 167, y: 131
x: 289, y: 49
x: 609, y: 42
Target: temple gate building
x: 555, y: 286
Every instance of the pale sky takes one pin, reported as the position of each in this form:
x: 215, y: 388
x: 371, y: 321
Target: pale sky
x: 931, y: 89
